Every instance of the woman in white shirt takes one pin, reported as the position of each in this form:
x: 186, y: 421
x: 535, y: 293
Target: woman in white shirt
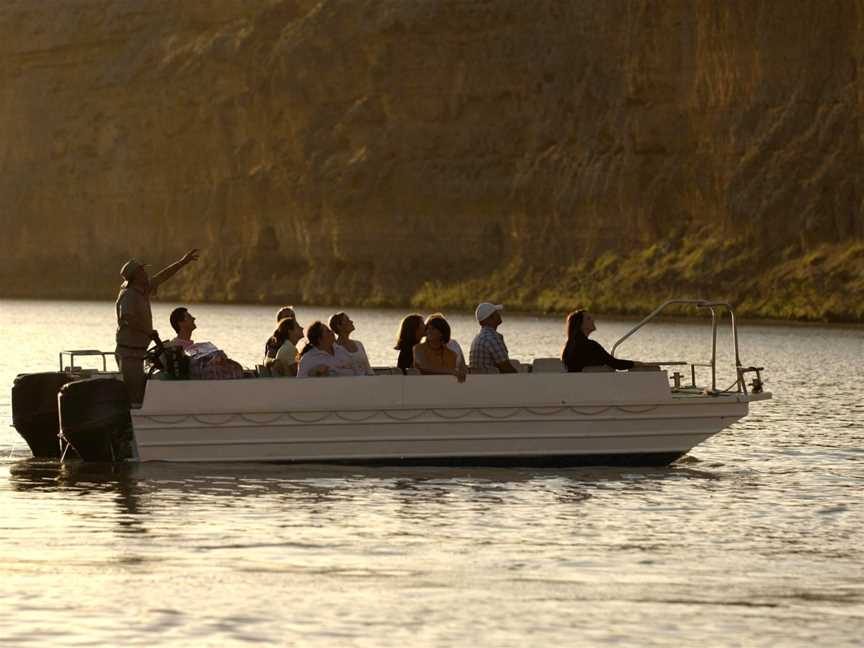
x: 342, y: 326
x: 281, y: 348
x: 320, y: 356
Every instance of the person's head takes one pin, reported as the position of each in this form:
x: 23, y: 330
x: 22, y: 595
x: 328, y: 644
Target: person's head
x: 182, y: 322
x: 287, y: 329
x: 319, y: 336
x: 135, y: 274
x: 285, y: 312
x: 437, y: 329
x: 580, y: 322
x: 488, y: 314
x: 341, y: 324
x: 411, y: 331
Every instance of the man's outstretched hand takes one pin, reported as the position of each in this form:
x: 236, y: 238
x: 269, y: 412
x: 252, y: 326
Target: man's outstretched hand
x: 166, y: 273
x: 190, y: 256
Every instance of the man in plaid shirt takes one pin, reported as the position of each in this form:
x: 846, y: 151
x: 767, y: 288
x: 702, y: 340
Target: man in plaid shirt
x: 488, y: 350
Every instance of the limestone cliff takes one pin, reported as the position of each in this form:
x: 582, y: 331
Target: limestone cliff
x: 546, y: 153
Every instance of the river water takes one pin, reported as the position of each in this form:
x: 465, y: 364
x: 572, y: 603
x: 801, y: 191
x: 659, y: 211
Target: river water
x: 753, y: 539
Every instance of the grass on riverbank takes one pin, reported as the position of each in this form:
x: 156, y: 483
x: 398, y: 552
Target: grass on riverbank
x: 823, y: 285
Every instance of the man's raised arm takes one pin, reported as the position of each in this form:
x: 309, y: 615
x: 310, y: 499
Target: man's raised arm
x: 169, y: 271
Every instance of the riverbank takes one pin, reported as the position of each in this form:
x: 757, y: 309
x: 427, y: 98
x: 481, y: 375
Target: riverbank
x: 825, y: 285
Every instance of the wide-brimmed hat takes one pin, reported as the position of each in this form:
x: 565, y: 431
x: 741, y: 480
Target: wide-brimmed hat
x: 130, y: 268
x: 485, y: 309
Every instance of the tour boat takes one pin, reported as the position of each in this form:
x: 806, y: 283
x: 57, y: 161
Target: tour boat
x: 539, y: 416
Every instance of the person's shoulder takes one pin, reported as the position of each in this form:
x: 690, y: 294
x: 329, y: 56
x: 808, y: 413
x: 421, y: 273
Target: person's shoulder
x: 312, y: 353
x: 339, y: 350
x: 307, y: 360
x: 288, y: 348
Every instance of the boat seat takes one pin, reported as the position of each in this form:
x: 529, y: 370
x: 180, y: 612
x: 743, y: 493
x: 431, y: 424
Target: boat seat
x: 394, y: 371
x: 521, y: 367
x: 548, y: 365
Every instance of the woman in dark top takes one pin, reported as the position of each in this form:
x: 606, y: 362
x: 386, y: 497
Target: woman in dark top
x: 580, y: 352
x: 411, y: 331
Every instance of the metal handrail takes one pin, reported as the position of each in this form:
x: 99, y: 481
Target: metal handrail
x: 710, y: 305
x: 73, y: 353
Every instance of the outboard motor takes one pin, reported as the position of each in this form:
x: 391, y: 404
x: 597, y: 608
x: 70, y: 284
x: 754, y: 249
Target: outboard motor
x: 34, y: 411
x: 95, y: 419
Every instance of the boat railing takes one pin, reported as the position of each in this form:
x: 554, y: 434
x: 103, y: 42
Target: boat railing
x: 740, y: 384
x: 82, y: 353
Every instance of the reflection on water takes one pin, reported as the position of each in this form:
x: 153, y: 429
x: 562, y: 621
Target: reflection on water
x: 752, y: 539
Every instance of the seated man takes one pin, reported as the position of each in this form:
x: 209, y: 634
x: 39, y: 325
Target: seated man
x: 321, y: 357
x: 206, y: 361
x: 488, y: 350
x: 183, y: 324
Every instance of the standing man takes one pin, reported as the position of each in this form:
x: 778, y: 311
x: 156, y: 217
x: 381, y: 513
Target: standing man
x: 488, y: 350
x: 135, y: 320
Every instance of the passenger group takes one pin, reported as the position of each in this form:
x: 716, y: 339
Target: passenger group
x: 424, y: 346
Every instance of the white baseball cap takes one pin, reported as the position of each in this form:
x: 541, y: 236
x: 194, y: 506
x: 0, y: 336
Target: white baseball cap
x: 485, y: 309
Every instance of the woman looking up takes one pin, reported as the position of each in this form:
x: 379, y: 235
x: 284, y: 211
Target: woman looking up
x: 580, y: 352
x: 319, y: 357
x: 342, y: 326
x: 411, y: 331
x: 433, y: 356
x: 281, y: 357
x: 284, y: 313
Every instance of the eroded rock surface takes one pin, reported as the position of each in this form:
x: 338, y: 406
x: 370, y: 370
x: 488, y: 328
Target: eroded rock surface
x: 547, y: 153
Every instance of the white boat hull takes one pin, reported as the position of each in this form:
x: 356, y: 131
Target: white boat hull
x: 490, y: 419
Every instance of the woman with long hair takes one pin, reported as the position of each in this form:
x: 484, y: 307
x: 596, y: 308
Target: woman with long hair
x: 434, y: 357
x: 342, y: 326
x: 580, y: 352
x: 284, y: 313
x: 411, y: 332
x: 281, y: 349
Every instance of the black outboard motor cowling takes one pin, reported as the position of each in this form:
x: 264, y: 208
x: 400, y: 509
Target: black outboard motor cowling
x: 34, y: 411
x: 95, y: 419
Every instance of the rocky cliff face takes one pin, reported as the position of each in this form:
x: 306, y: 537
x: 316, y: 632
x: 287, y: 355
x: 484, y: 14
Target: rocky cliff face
x: 547, y: 153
